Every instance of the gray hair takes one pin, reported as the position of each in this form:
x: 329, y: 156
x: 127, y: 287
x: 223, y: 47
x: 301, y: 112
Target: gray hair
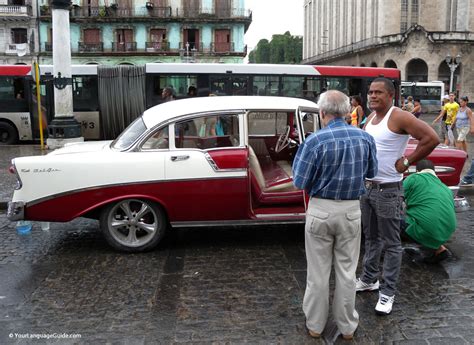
x: 334, y: 103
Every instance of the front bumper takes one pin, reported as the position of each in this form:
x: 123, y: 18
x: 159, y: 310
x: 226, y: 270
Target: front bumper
x: 16, y: 210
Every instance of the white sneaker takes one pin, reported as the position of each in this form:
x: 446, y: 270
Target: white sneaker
x: 362, y: 286
x: 385, y: 304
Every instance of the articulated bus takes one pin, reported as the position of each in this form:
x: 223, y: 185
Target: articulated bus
x: 430, y: 94
x: 19, y: 118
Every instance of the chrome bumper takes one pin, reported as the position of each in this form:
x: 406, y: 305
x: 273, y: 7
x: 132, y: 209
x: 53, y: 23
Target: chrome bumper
x: 16, y: 210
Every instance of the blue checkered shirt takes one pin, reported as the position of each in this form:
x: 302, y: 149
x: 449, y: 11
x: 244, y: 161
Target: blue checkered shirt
x: 334, y: 162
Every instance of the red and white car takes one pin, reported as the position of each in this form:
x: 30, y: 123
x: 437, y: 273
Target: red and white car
x: 196, y: 162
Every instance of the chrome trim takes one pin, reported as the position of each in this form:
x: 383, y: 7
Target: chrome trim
x: 16, y: 210
x: 214, y: 166
x: 281, y: 215
x: 439, y: 169
x: 234, y: 223
x: 19, y: 182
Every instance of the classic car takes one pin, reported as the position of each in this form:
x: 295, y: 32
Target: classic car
x: 196, y: 162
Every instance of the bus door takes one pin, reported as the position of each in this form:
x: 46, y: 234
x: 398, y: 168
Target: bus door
x: 47, y: 106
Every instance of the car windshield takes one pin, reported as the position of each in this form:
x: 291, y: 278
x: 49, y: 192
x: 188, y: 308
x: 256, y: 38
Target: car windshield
x: 129, y: 135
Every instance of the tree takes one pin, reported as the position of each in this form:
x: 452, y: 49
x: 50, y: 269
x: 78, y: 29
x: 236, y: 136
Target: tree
x: 280, y: 50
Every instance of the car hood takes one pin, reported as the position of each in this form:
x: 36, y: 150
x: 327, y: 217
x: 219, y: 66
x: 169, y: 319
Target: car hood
x: 90, y: 146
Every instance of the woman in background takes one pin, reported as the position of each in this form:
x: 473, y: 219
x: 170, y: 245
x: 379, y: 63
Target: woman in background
x: 417, y: 108
x: 463, y: 122
x: 357, y: 113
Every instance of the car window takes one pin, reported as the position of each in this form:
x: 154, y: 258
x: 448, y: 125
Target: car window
x: 129, y: 135
x: 207, y: 132
x: 310, y: 122
x: 158, y: 141
x: 267, y: 122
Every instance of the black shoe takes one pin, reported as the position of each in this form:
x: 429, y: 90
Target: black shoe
x: 434, y: 259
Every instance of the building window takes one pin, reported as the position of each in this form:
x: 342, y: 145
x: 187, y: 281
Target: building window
x: 414, y: 12
x: 19, y: 36
x: 404, y: 16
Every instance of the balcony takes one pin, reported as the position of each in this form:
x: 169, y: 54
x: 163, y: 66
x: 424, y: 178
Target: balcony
x: 97, y: 47
x: 124, y: 46
x: 18, y: 49
x: 48, y: 46
x: 191, y: 46
x: 13, y: 11
x: 116, y: 12
x: 222, y: 47
x: 157, y: 47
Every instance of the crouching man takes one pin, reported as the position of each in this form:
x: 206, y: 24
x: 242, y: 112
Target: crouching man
x: 430, y: 215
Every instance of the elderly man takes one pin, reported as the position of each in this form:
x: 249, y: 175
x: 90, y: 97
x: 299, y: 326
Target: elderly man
x: 381, y: 207
x: 331, y: 166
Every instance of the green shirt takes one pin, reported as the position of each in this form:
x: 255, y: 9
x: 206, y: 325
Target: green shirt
x: 430, y: 211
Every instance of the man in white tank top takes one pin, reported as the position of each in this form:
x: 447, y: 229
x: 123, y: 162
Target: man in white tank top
x: 391, y: 128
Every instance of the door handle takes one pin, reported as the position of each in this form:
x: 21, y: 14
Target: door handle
x: 179, y: 158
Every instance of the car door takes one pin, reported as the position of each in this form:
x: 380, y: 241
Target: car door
x: 206, y: 169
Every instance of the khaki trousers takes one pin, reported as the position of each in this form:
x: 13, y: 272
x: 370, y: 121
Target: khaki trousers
x: 332, y: 234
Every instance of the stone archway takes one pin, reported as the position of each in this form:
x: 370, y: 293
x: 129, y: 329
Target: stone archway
x: 390, y: 64
x: 416, y: 70
x: 444, y: 75
x: 362, y: 65
x: 373, y: 64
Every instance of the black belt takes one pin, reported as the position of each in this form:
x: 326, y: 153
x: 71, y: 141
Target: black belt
x: 376, y: 185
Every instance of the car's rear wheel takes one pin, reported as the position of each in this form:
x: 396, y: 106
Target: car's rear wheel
x: 8, y: 134
x: 133, y: 225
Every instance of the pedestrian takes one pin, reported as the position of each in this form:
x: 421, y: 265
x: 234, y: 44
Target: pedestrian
x: 381, y: 207
x: 464, y: 123
x: 409, y: 104
x: 468, y: 179
x: 331, y: 166
x: 417, y: 108
x: 167, y: 94
x: 430, y: 218
x: 357, y: 113
x: 448, y: 113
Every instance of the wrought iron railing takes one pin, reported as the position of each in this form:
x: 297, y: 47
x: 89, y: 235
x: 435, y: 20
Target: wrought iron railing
x: 157, y: 46
x: 91, y: 47
x: 196, y: 46
x: 222, y: 47
x: 124, y: 46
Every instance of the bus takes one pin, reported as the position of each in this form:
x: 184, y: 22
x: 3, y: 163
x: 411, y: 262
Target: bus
x: 430, y: 94
x: 107, y: 98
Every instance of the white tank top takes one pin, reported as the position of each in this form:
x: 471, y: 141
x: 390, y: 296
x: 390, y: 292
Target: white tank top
x: 390, y: 147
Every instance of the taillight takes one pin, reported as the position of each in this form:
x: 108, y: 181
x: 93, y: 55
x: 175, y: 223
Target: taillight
x: 12, y: 170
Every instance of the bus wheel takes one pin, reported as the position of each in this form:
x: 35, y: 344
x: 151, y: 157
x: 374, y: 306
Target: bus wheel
x: 8, y: 134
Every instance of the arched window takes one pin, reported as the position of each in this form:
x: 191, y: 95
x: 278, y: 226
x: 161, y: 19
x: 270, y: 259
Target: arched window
x: 373, y: 64
x: 390, y: 64
x: 416, y: 70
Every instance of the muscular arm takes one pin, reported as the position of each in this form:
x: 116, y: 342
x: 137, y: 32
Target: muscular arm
x: 426, y: 136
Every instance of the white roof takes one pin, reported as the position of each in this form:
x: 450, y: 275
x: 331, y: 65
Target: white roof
x: 172, y: 109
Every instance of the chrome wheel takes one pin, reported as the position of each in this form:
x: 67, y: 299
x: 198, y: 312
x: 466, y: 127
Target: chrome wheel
x: 133, y: 225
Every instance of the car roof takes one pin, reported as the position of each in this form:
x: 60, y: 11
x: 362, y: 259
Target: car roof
x: 169, y: 110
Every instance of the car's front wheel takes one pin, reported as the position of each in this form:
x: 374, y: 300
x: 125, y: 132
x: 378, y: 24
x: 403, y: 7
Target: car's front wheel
x: 133, y: 225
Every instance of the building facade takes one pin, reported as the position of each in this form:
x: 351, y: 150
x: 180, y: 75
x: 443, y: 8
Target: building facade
x: 414, y: 36
x: 140, y: 31
x: 18, y: 31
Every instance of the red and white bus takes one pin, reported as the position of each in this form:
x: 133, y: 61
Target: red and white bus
x: 18, y: 117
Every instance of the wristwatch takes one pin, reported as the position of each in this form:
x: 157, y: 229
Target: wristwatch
x: 406, y: 163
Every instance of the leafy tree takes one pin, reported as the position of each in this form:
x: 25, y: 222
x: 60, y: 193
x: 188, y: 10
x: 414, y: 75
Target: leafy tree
x: 280, y: 50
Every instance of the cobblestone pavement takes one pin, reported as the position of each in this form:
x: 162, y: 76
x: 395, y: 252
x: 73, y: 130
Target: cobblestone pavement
x: 220, y: 286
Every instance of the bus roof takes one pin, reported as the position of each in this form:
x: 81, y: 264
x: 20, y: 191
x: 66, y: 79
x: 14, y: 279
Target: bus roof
x: 75, y: 69
x: 308, y: 70
x: 15, y: 70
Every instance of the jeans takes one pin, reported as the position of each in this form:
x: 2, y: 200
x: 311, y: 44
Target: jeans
x: 470, y: 174
x: 381, y: 215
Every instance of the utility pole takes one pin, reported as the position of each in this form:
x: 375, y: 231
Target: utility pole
x: 64, y: 128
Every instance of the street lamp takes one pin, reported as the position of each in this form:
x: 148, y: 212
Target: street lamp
x: 453, y: 63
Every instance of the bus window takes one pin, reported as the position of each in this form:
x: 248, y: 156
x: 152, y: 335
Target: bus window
x: 240, y: 85
x: 219, y: 85
x: 338, y: 83
x: 85, y: 93
x: 265, y: 85
x: 12, y: 94
x: 311, y: 88
x: 292, y: 86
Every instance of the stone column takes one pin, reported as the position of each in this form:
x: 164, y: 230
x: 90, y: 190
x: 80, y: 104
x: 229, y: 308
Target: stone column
x: 64, y: 128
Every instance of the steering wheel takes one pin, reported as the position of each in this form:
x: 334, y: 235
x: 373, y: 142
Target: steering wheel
x: 283, y: 140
